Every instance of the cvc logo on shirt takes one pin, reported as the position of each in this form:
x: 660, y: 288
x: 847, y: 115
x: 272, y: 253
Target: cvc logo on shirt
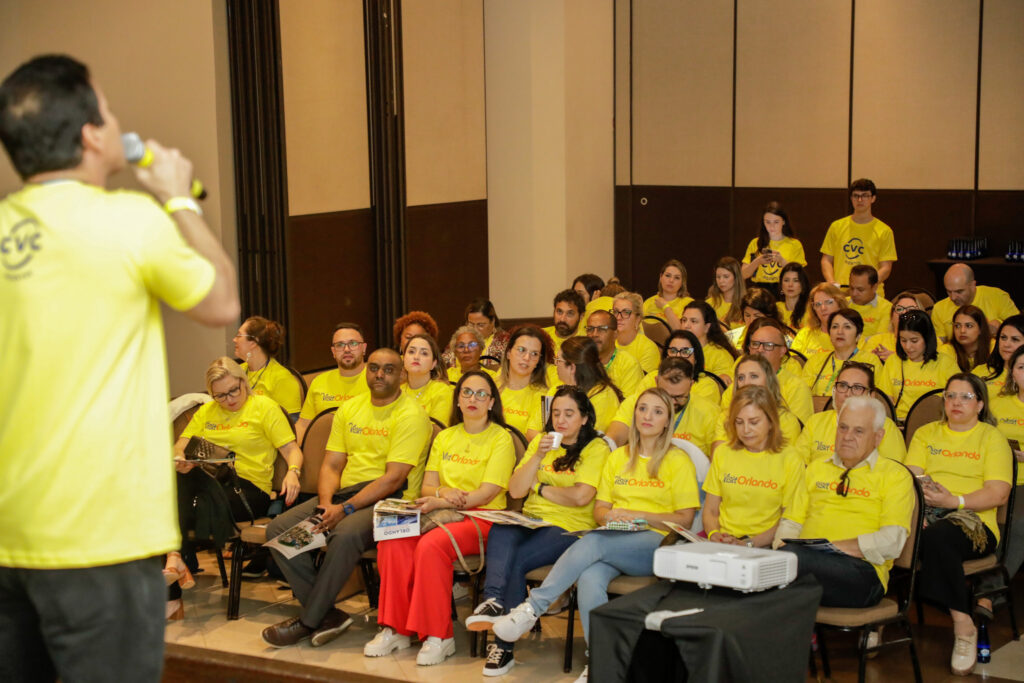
x: 972, y: 455
x: 854, y: 249
x: 18, y: 247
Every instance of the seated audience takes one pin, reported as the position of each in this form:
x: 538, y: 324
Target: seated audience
x: 971, y: 343
x: 794, y: 295
x: 726, y: 292
x: 623, y: 368
x: 672, y: 295
x: 962, y: 289
x: 567, y: 315
x: 468, y: 345
x: 330, y: 388
x: 844, y: 331
x: 425, y: 380
x: 684, y: 344
x: 411, y: 324
x: 469, y: 468
x: 757, y: 371
x: 559, y: 484
x: 917, y: 367
x: 257, y: 343
x: 767, y: 339
x: 825, y: 300
x: 745, y: 509
x: 523, y: 378
x: 865, y: 299
x: 719, y: 353
x: 965, y: 468
x: 774, y: 247
x: 627, y: 307
x: 646, y: 479
x: 883, y: 344
x: 1009, y: 338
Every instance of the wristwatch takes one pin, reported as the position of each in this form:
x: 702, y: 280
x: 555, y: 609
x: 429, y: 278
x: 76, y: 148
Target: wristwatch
x: 540, y: 490
x: 349, y: 508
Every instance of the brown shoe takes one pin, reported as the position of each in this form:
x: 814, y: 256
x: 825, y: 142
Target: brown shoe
x: 333, y: 625
x: 287, y: 632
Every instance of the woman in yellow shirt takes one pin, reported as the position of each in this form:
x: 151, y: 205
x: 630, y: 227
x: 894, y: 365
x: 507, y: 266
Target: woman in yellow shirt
x: 917, y: 367
x: 794, y: 295
x: 972, y: 340
x: 648, y: 479
x: 255, y: 428
x: 757, y: 303
x: 844, y: 331
x: 257, y: 343
x: 726, y: 293
x: 672, y: 295
x: 756, y: 371
x: 884, y: 344
x: 469, y: 467
x: 468, y: 345
x: 964, y: 465
x: 1009, y: 338
x: 559, y: 483
x: 627, y: 307
x: 719, y: 353
x: 684, y: 344
x: 425, y: 380
x: 774, y: 247
x: 523, y: 378
x: 746, y: 509
x: 825, y: 300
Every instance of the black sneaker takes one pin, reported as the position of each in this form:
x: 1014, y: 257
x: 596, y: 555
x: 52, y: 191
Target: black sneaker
x: 256, y: 568
x: 485, y: 614
x: 499, y: 661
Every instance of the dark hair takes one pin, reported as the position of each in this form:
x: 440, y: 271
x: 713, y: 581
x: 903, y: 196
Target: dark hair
x: 850, y: 315
x: 762, y: 234
x: 980, y: 357
x: 995, y: 360
x: 678, y: 265
x: 43, y: 105
x: 350, y: 326
x: 757, y: 325
x: 1011, y: 388
x: 671, y: 367
x: 716, y: 335
x: 496, y: 414
x: 865, y: 269
x: 866, y: 368
x: 980, y: 390
x: 592, y: 283
x: 918, y: 321
x: 698, y: 351
x: 570, y: 296
x: 581, y: 352
x: 539, y: 376
x: 267, y: 334
x: 421, y: 318
x: 862, y: 185
x: 437, y: 372
x: 485, y: 308
x: 761, y: 300
x: 588, y: 432
x: 796, y: 318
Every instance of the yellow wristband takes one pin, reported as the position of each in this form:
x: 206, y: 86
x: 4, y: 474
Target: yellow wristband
x: 294, y: 468
x: 712, y: 533
x: 175, y: 204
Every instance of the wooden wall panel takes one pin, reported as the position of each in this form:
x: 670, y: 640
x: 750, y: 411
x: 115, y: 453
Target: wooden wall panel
x: 792, y: 92
x: 1001, y: 161
x: 623, y: 91
x: 682, y: 92
x: 915, y: 82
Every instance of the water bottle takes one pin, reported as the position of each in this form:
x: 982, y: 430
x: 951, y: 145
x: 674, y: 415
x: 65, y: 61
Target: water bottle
x: 984, y: 652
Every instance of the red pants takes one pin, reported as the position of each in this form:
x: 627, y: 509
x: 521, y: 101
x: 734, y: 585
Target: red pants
x: 416, y: 578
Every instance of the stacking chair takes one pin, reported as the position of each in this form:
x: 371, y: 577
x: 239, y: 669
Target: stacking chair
x: 798, y: 357
x: 928, y: 408
x: 821, y: 403
x: 718, y: 380
x: 886, y: 612
x: 302, y: 380
x: 656, y: 329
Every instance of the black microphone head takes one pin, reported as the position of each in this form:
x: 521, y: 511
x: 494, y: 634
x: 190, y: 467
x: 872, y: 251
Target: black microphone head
x: 134, y: 147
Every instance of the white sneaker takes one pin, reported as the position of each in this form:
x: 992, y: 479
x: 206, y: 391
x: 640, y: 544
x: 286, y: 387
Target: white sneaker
x: 583, y: 676
x: 874, y: 638
x: 517, y: 623
x: 965, y: 654
x: 385, y: 642
x: 435, y: 650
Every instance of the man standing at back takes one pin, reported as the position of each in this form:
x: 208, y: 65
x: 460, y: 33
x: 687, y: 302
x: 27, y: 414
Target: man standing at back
x: 858, y: 239
x: 87, y: 499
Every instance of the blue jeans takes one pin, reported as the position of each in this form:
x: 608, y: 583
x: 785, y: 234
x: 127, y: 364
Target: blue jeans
x: 846, y: 581
x: 512, y: 551
x: 591, y: 563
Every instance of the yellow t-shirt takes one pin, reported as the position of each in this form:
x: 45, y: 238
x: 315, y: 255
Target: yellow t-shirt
x: 791, y: 250
x: 605, y: 404
x: 677, y: 305
x: 787, y: 421
x: 754, y: 487
x: 625, y: 372
x: 455, y: 373
x: 435, y: 397
x: 996, y: 304
x: 851, y: 244
x: 822, y: 369
x: 675, y: 487
x: 254, y: 433
x: 886, y: 340
x: 86, y: 449
x: 330, y: 389
x: 277, y: 382
x: 717, y: 360
x: 705, y: 387
x: 963, y: 461
x: 795, y: 393
x: 881, y: 494
x: 785, y: 314
x: 818, y: 439
x: 520, y: 405
x: 373, y: 436
x: 809, y: 341
x: 644, y: 351
x: 722, y: 308
x: 1009, y: 414
x: 555, y: 339
x: 877, y: 316
x: 587, y: 471
x: 994, y: 385
x: 696, y: 424
x: 916, y: 379
x: 466, y: 461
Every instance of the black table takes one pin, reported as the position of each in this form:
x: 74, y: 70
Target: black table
x: 755, y: 637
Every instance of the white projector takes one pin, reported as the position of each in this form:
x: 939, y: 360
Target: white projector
x: 732, y: 566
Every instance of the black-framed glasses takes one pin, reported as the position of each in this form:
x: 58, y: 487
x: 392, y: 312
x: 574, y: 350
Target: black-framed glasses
x: 900, y: 310
x: 481, y: 394
x: 591, y: 329
x: 684, y: 351
x: 350, y: 344
x: 763, y: 345
x: 232, y: 393
x: 623, y: 313
x: 847, y: 388
x: 843, y: 487
x: 523, y: 351
x: 860, y: 195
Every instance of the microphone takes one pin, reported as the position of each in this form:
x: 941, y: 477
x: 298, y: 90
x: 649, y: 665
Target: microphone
x: 136, y: 152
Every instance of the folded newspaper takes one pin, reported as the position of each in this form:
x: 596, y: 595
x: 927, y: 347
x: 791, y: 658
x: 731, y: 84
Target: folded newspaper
x: 299, y: 538
x: 395, y: 518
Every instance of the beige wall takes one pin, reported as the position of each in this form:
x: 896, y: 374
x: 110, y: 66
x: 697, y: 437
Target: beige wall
x: 1001, y: 160
x: 164, y: 70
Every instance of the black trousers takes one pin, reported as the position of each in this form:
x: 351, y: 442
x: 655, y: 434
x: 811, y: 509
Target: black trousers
x: 944, y: 548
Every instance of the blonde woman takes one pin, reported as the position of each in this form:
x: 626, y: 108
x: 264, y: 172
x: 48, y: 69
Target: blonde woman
x: 726, y: 293
x: 757, y: 371
x: 628, y: 309
x: 825, y: 299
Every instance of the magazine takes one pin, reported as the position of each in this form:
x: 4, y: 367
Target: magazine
x: 299, y: 538
x: 507, y: 517
x: 395, y: 518
x: 614, y: 526
x: 685, y: 533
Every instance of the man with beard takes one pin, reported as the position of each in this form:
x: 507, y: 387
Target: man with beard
x: 622, y: 367
x: 377, y: 449
x: 569, y: 307
x: 331, y: 389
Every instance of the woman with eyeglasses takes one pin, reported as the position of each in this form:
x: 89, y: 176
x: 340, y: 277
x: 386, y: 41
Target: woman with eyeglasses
x: 917, y: 367
x: 971, y: 342
x: 964, y: 466
x: 844, y: 331
x: 884, y: 344
x: 818, y: 438
x: 727, y: 291
x: 774, y: 247
x: 737, y: 511
x: 425, y: 380
x: 757, y: 303
x: 627, y: 307
x: 1009, y: 338
x: 794, y: 295
x: 719, y: 353
x: 684, y: 344
x: 255, y: 428
x: 672, y: 296
x: 468, y: 469
x: 257, y: 343
x: 559, y: 483
x: 411, y: 324
x: 480, y: 314
x: 468, y: 345
x: 825, y: 300
x: 758, y: 372
x: 523, y: 378
x: 648, y: 479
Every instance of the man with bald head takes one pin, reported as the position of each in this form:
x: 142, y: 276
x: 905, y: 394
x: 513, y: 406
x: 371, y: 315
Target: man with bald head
x: 622, y: 367
x: 962, y: 290
x: 377, y: 449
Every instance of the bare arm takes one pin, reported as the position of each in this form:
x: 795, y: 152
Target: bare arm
x: 301, y: 425
x: 293, y: 456
x: 571, y: 496
x: 617, y: 432
x: 828, y: 273
x: 884, y: 270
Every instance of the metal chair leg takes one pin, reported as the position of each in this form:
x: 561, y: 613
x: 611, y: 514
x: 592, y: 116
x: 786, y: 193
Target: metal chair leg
x: 913, y: 652
x: 220, y: 565
x: 235, y: 585
x: 823, y: 651
x: 569, y: 631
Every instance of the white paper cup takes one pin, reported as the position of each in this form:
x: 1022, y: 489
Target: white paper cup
x: 556, y: 440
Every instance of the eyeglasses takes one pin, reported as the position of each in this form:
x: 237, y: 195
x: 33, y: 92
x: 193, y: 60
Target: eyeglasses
x: 244, y: 336
x: 229, y: 394
x: 523, y: 351
x: 860, y: 195
x: 684, y: 351
x: 479, y: 393
x: 388, y: 370
x: 847, y: 388
x: 843, y: 487
x: 900, y: 310
x: 962, y: 395
x: 590, y: 329
x: 822, y: 304
x: 623, y: 313
x: 350, y: 344
x: 763, y: 345
x: 470, y: 346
